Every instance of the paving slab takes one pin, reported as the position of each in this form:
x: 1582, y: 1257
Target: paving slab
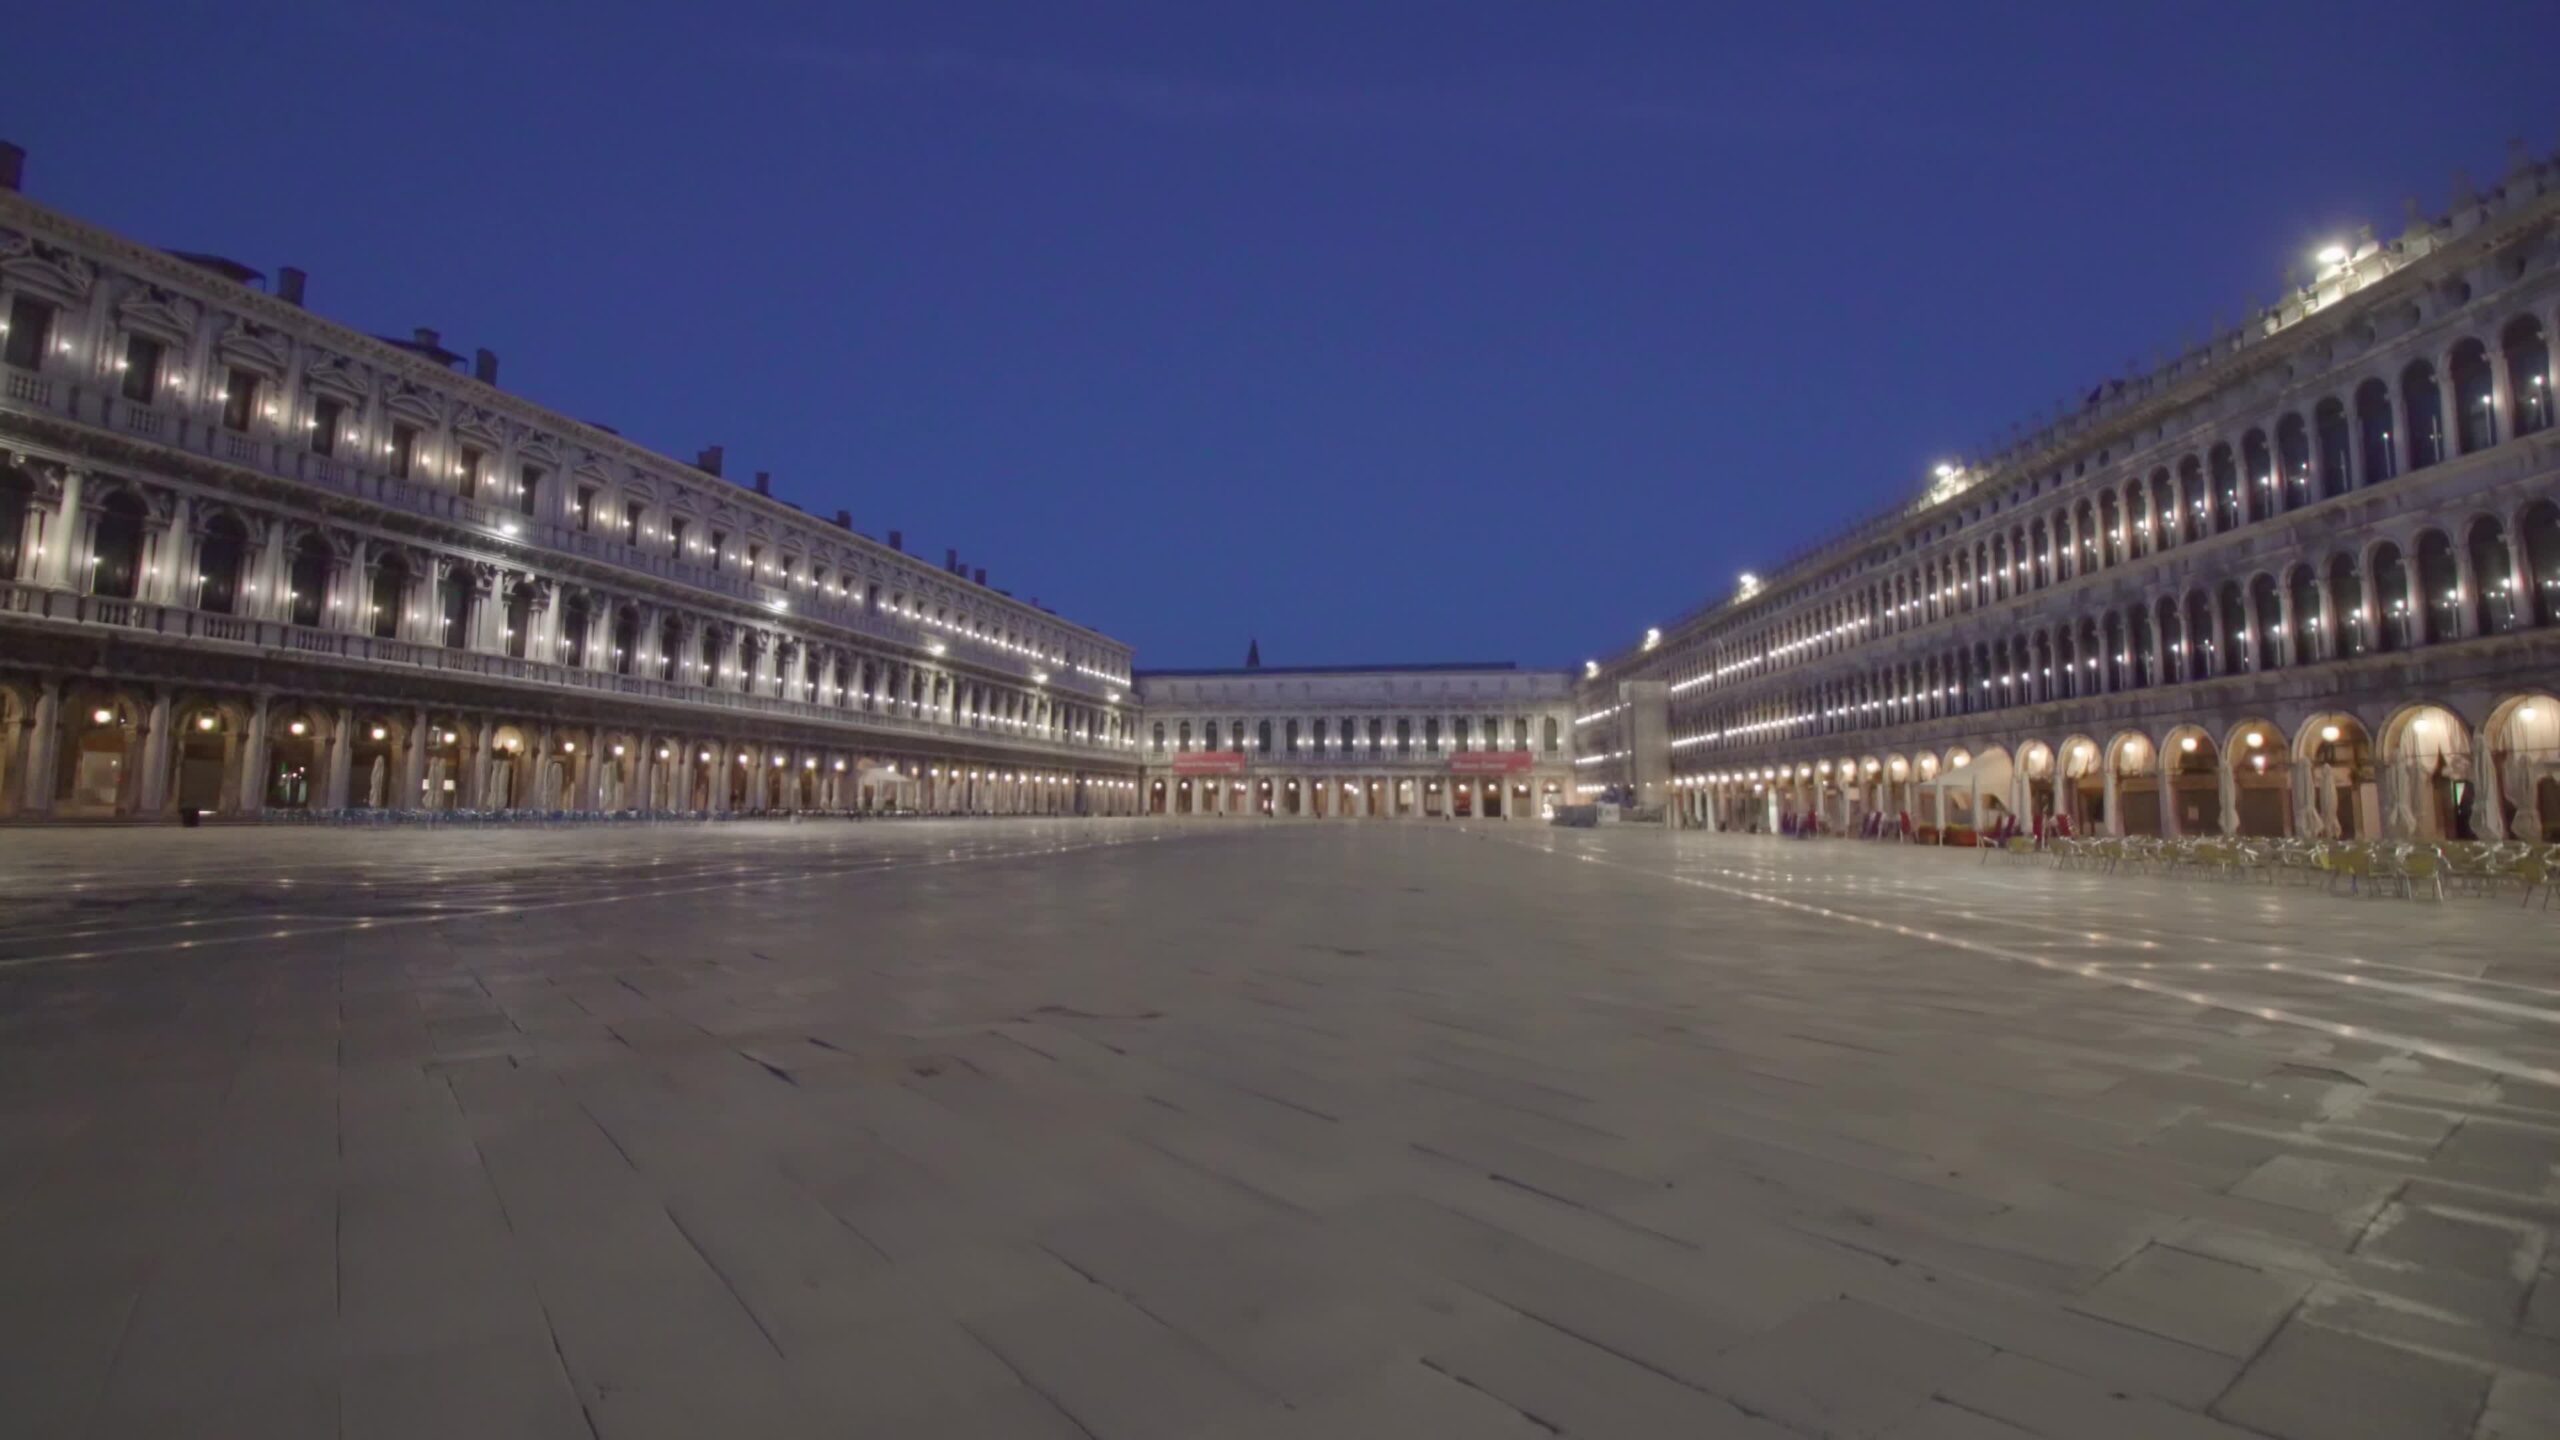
x: 1131, y: 1129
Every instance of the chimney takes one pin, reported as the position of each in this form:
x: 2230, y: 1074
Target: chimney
x: 428, y: 338
x: 844, y: 519
x: 484, y: 365
x: 951, y: 562
x: 13, y: 166
x: 708, y: 461
x: 764, y: 482
x: 289, y: 282
x: 982, y: 575
x: 898, y: 541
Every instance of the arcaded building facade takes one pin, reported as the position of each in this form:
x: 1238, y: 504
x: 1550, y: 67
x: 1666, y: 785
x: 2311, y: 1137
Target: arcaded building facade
x: 1412, y: 742
x: 252, y: 560
x: 2303, y: 580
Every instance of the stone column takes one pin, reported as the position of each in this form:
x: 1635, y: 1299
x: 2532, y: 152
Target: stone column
x: 63, y: 565
x: 342, y: 734
x: 253, y: 761
x: 157, y: 739
x: 413, y: 767
x: 2228, y: 782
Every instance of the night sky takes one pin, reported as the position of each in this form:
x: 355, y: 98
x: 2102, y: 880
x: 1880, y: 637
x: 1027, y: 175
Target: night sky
x: 1381, y: 330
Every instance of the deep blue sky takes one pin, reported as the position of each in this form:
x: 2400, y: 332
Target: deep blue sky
x: 1381, y: 330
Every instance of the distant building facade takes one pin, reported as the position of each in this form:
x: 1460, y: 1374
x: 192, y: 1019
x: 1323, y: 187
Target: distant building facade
x: 1414, y: 742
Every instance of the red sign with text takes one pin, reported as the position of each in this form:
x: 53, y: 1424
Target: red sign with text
x: 1489, y: 762
x: 1212, y: 762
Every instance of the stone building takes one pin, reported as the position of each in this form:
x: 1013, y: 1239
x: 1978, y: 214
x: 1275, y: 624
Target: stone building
x: 251, y: 559
x: 1451, y: 741
x: 2302, y: 580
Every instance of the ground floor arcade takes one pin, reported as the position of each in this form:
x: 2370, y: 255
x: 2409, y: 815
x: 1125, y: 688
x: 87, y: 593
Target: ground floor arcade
x: 2484, y: 766
x: 78, y: 747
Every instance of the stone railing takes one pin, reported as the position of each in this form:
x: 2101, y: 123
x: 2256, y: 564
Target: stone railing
x: 179, y: 625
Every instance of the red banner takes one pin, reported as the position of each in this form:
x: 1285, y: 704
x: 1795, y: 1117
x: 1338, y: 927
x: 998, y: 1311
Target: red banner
x: 1210, y: 762
x: 1489, y: 762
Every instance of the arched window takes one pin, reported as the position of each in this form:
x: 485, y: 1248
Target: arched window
x: 388, y: 598
x: 2475, y: 395
x: 519, y: 619
x: 2199, y: 636
x: 17, y: 502
x: 2169, y: 636
x: 2272, y: 637
x: 2164, y: 509
x: 1182, y: 740
x: 2087, y: 530
x: 2493, y: 572
x: 626, y: 646
x: 671, y: 649
x: 2231, y: 642
x: 1404, y: 736
x: 575, y: 619
x: 2528, y: 356
x: 2115, y: 662
x: 2137, y: 521
x: 2329, y: 430
x: 2391, y: 600
x: 2346, y: 603
x: 2303, y: 632
x: 2293, y: 460
x: 1554, y: 737
x: 118, y: 551
x: 1262, y: 736
x: 1289, y: 731
x: 2225, y: 481
x: 2440, y: 586
x: 2195, y: 511
x: 2373, y: 432
x: 453, y: 594
x: 2137, y: 634
x: 220, y: 558
x: 2110, y: 529
x: 2422, y: 412
x: 309, y: 592
x: 2540, y: 534
x: 1159, y: 737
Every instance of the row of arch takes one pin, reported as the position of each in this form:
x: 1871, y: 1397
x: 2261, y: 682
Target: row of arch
x: 1400, y: 735
x: 2375, y: 429
x: 2424, y: 769
x: 2484, y: 577
x: 128, y: 541
x: 101, y: 749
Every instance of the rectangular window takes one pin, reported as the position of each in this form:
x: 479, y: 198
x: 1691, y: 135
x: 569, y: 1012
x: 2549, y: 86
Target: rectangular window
x: 1431, y: 734
x: 141, y: 366
x: 586, y: 512
x: 528, y: 488
x: 1404, y: 737
x: 239, y: 399
x: 328, y: 417
x: 404, y: 449
x: 871, y: 598
x: 30, y: 332
x: 631, y: 522
x: 719, y: 542
x: 468, y: 470
x: 675, y: 534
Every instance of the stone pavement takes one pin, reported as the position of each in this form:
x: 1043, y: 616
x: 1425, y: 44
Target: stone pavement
x: 1124, y: 1129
